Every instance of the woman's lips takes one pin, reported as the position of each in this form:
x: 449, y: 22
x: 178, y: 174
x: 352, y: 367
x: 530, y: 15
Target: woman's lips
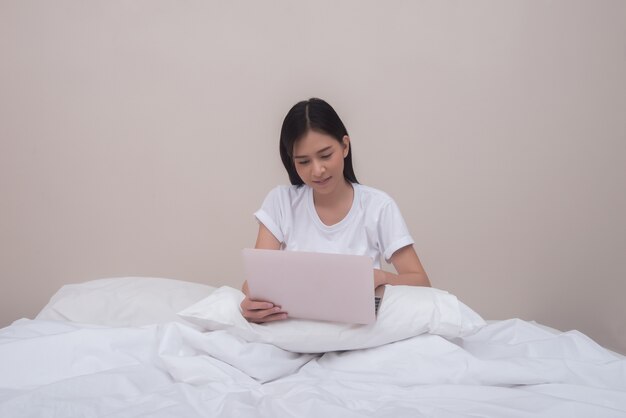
x: 322, y: 182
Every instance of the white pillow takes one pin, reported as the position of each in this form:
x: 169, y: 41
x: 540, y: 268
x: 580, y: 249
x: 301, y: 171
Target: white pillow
x: 124, y: 301
x: 405, y: 311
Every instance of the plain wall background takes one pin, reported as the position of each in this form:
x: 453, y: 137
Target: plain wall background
x: 138, y: 137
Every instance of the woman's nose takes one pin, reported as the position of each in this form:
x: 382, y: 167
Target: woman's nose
x: 318, y: 168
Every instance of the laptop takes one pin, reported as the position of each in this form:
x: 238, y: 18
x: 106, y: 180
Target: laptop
x: 308, y: 285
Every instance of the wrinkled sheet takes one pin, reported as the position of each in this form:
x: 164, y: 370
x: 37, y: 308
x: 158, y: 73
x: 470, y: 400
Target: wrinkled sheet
x: 508, y: 369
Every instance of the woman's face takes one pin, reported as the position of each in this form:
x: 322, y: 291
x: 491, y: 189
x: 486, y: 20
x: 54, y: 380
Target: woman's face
x: 318, y: 159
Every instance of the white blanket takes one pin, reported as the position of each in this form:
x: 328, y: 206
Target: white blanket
x: 508, y: 369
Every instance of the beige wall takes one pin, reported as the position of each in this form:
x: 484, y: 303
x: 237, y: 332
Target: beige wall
x: 137, y: 138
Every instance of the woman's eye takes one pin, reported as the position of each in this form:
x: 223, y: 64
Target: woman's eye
x: 303, y: 162
x: 327, y: 156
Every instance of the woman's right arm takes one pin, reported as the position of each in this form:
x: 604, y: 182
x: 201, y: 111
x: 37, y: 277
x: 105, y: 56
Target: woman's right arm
x: 256, y: 310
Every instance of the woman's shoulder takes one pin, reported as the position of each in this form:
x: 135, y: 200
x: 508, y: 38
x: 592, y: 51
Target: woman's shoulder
x: 372, y: 195
x: 378, y: 204
x: 287, y: 193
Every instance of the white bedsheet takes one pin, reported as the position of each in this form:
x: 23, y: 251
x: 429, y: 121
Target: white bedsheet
x: 508, y: 369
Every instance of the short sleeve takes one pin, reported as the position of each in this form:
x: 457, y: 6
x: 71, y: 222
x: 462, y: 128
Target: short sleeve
x: 271, y: 213
x: 392, y: 230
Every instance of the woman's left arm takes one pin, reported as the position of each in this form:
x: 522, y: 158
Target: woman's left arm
x: 409, y: 268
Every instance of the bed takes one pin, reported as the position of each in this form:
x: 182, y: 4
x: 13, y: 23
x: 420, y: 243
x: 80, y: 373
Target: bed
x: 151, y: 347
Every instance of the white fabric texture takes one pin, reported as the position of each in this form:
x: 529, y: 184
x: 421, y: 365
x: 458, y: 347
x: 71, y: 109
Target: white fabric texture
x: 123, y: 301
x: 374, y: 225
x: 507, y: 369
x: 405, y: 311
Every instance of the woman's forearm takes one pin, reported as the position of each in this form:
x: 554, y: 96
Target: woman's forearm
x: 382, y: 277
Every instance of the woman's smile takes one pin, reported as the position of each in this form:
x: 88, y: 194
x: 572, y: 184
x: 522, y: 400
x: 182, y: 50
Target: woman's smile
x: 322, y: 182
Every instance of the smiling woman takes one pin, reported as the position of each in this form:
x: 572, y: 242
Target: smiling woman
x: 322, y: 170
x: 326, y: 209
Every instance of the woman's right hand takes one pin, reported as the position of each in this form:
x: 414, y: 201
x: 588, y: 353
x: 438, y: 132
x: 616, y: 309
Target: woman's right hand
x: 258, y: 311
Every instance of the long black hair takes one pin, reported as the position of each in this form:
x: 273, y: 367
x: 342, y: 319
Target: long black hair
x: 312, y: 115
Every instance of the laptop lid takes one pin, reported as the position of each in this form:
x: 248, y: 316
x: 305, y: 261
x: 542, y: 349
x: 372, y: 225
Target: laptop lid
x: 307, y: 285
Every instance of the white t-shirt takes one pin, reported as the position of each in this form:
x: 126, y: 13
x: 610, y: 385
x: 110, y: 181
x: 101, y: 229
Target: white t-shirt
x: 374, y: 225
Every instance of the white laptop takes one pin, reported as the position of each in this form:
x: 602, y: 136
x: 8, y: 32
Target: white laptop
x: 328, y: 287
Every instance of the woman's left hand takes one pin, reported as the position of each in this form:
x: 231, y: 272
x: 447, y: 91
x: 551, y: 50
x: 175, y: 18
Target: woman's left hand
x: 380, y: 278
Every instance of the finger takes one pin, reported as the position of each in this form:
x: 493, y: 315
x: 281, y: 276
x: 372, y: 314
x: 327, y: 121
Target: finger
x: 271, y: 318
x: 261, y: 314
x: 252, y: 304
x: 276, y: 317
x: 257, y: 305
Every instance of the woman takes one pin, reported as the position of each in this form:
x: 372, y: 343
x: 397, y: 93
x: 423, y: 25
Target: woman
x: 326, y: 209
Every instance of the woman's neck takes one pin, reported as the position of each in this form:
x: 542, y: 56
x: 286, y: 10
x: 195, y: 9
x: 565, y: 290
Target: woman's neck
x: 333, y: 207
x: 343, y: 192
